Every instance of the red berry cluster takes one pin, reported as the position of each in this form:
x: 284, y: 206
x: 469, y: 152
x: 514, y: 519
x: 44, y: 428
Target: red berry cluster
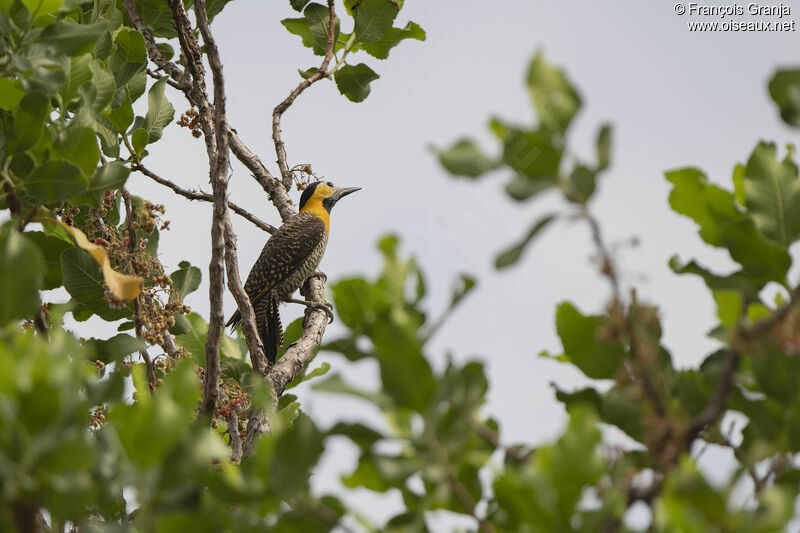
x: 228, y: 409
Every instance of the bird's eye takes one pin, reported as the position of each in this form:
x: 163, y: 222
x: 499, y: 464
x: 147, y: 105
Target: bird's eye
x: 329, y: 184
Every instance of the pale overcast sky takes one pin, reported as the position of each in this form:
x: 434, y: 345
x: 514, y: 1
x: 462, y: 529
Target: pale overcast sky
x: 675, y: 98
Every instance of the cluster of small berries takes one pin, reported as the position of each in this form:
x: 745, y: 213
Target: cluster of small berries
x: 190, y: 120
x: 97, y: 418
x: 67, y: 214
x: 226, y: 410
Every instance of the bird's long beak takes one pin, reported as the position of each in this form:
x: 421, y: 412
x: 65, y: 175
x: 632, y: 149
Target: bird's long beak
x: 341, y: 192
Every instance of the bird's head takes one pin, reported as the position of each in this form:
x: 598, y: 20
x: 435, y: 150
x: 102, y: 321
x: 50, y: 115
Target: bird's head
x: 322, y: 196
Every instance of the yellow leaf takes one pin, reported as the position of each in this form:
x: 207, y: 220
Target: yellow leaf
x: 123, y: 287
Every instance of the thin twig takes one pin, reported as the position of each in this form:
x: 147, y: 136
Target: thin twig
x: 204, y: 197
x: 281, y: 108
x: 137, y: 317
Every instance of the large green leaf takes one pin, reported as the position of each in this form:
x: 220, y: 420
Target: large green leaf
x: 72, y: 39
x: 380, y: 49
x: 51, y: 247
x: 115, y: 348
x: 84, y: 282
x: 722, y: 224
x: 77, y: 74
x: 353, y: 81
x: 130, y: 57
x: 584, y: 345
x: 29, y: 121
x: 772, y: 194
x: 121, y: 117
x: 554, y: 98
x: 11, y: 93
x: 78, y: 145
x: 373, y: 19
x: 784, y: 88
x: 22, y: 271
x: 159, y: 111
x: 465, y: 158
x: 532, y: 153
x: 186, y: 279
x: 318, y: 19
x: 54, y: 181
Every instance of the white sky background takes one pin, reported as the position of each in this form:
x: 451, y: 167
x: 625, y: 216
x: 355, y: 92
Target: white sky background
x: 675, y: 98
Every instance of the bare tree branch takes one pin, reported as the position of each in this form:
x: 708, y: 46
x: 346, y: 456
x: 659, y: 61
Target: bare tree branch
x: 271, y: 185
x: 281, y: 108
x: 204, y: 197
x: 254, y: 346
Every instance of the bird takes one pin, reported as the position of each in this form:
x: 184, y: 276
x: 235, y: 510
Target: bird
x: 290, y: 257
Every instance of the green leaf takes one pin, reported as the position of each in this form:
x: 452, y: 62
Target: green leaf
x: 317, y: 19
x: 77, y: 74
x: 784, y: 88
x: 317, y: 372
x: 729, y: 307
x: 522, y: 187
x: 373, y: 19
x: 139, y: 140
x: 532, y: 153
x: 380, y: 49
x: 298, y: 5
x: 115, y: 348
x: 584, y: 344
x: 29, y: 121
x: 554, y: 98
x: 353, y: 81
x: 122, y: 116
x: 51, y: 248
x: 78, y: 145
x: 72, y: 39
x: 736, y: 281
x: 363, y: 436
x: 42, y: 7
x: 109, y: 177
x: 772, y: 194
x: 159, y: 111
x: 22, y: 272
x: 738, y: 184
x: 11, y: 93
x: 103, y: 87
x: 54, y: 181
x: 305, y: 74
x: 130, y: 58
x: 582, y: 181
x: 465, y: 158
x: 186, y: 279
x: 84, y: 282
x: 603, y: 147
x: 512, y: 255
x: 723, y: 225
x: 300, y: 28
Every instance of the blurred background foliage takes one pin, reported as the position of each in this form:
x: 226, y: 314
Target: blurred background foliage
x: 85, y: 445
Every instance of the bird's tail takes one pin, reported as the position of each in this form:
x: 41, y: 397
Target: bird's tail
x: 268, y: 324
x: 273, y: 339
x: 235, y: 320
